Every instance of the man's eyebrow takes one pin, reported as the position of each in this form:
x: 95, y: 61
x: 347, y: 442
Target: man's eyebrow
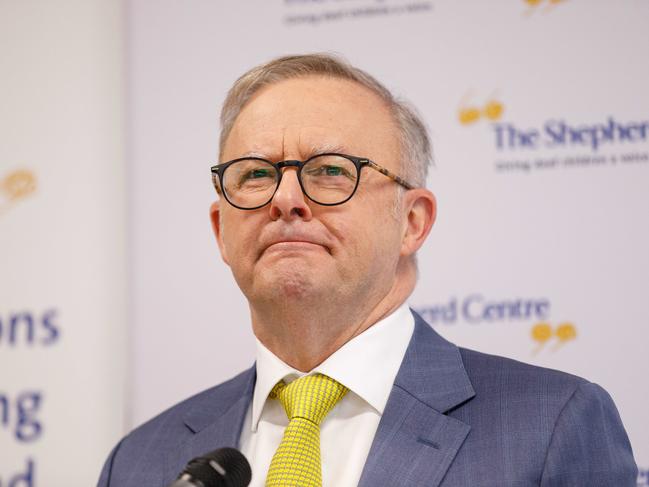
x: 254, y: 153
x: 323, y: 148
x: 309, y: 151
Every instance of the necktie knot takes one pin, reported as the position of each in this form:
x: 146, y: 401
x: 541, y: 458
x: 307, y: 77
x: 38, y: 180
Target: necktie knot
x: 307, y: 401
x: 310, y: 397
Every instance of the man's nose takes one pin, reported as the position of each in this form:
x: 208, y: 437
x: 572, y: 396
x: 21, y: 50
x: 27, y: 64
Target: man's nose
x: 289, y: 201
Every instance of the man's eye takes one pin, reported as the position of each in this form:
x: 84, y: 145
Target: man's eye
x: 334, y: 171
x: 256, y: 178
x: 257, y: 173
x: 328, y: 171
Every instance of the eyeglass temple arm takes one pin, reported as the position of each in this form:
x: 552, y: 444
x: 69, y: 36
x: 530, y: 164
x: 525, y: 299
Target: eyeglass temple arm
x: 215, y: 180
x: 389, y: 174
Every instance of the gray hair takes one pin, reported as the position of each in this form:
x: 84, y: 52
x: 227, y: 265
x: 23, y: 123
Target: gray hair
x: 416, y: 152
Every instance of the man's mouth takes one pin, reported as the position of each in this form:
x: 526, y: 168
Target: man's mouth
x: 296, y: 241
x: 294, y: 245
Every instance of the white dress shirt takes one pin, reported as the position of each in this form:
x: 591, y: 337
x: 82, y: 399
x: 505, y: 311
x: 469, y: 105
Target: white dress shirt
x: 367, y: 365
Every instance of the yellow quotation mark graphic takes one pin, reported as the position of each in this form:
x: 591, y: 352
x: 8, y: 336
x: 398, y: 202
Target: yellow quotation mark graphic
x: 534, y: 4
x: 16, y: 186
x: 542, y: 333
x: 469, y: 114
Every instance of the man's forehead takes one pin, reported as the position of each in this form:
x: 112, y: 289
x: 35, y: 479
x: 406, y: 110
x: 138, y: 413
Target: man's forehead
x: 300, y: 117
x: 291, y: 141
x: 302, y: 141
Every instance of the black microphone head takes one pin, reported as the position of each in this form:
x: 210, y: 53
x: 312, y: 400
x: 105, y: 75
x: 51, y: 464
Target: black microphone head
x: 225, y: 467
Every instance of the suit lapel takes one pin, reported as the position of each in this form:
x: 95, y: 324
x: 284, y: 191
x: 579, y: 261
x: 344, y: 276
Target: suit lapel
x: 216, y: 421
x: 416, y: 442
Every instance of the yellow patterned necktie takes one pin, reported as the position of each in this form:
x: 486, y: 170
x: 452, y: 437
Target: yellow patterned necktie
x: 307, y: 401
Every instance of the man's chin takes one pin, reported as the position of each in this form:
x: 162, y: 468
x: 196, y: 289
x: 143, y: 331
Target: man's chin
x: 298, y: 280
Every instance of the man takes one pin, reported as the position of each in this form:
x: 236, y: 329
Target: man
x: 322, y: 208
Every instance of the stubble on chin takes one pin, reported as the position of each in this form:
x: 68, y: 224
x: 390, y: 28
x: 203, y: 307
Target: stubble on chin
x: 285, y: 282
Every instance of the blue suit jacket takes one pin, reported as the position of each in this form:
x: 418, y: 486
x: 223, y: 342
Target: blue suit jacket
x: 454, y: 418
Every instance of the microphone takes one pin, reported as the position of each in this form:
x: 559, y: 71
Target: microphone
x: 225, y: 467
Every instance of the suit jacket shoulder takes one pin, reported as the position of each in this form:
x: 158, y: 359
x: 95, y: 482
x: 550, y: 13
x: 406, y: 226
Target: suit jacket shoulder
x: 545, y: 427
x: 501, y: 422
x: 154, y: 453
x: 504, y: 381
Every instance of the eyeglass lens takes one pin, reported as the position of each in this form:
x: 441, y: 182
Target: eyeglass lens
x: 326, y: 179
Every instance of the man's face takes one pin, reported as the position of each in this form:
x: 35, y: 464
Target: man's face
x: 293, y: 248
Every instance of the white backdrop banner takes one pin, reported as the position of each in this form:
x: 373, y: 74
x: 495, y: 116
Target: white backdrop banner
x: 62, y: 249
x: 540, y: 123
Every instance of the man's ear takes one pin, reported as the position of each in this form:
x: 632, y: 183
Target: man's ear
x: 215, y: 217
x: 420, y: 206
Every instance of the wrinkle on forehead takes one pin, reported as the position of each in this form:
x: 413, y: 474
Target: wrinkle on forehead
x: 308, y: 146
x: 295, y: 143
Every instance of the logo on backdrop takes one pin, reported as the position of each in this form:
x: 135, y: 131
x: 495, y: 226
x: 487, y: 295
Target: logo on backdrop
x: 643, y: 477
x: 544, y: 6
x: 556, y: 142
x: 477, y: 309
x: 315, y: 12
x: 27, y: 328
x: 21, y: 412
x: 470, y: 112
x: 15, y: 186
x: 551, y: 337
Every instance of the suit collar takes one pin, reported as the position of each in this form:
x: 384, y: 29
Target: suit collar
x: 213, y: 404
x: 432, y: 370
x: 216, y: 419
x: 367, y: 364
x: 416, y: 442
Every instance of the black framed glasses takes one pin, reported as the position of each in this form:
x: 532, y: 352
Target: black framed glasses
x: 327, y: 179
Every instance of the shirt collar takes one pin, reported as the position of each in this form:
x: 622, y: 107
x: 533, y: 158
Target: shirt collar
x: 367, y: 364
